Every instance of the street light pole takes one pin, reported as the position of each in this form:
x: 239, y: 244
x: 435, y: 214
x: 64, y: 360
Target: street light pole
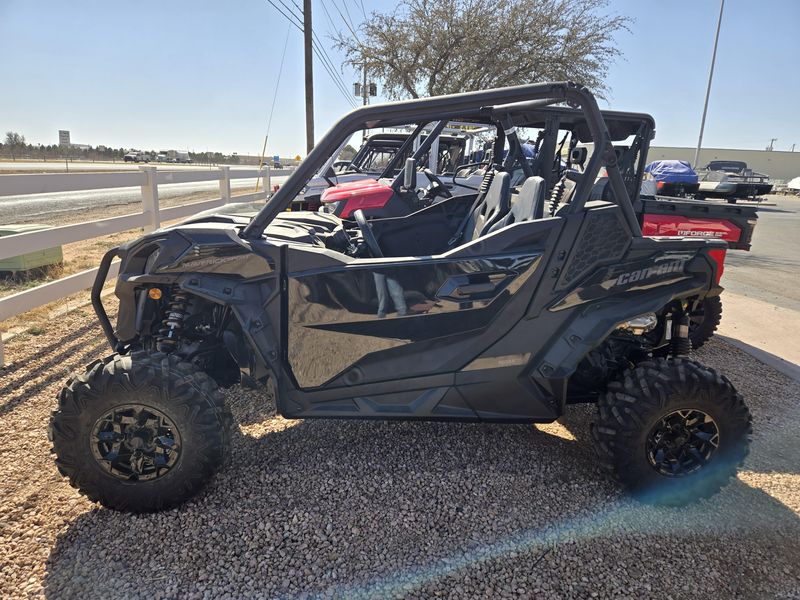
x: 309, y: 68
x: 708, y: 89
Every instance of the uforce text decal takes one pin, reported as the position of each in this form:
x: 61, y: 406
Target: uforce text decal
x: 699, y: 233
x: 673, y: 266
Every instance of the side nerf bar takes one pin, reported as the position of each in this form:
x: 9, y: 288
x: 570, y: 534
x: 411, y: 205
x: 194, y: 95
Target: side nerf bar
x: 97, y: 303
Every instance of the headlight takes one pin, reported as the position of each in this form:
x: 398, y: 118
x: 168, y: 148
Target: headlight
x: 641, y: 324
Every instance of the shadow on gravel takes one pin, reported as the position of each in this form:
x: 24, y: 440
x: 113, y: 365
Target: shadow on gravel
x: 15, y: 390
x: 59, y: 347
x: 374, y: 509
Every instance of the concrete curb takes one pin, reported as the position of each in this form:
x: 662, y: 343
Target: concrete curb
x: 789, y: 369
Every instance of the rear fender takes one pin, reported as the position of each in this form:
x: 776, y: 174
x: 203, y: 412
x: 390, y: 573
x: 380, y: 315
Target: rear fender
x: 613, y: 296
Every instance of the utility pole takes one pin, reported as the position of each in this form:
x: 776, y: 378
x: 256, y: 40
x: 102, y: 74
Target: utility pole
x: 364, y: 98
x: 364, y: 89
x: 309, y: 66
x: 708, y: 89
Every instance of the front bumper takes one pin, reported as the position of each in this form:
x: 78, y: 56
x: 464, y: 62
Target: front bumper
x: 97, y: 301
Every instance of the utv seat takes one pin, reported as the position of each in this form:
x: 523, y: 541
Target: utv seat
x: 528, y: 204
x: 494, y: 206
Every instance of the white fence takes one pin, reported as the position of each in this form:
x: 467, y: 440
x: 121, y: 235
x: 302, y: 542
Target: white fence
x: 150, y: 218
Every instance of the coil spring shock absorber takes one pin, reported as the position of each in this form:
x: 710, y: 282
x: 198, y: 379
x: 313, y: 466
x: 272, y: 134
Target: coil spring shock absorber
x: 680, y: 344
x: 172, y: 324
x: 556, y: 195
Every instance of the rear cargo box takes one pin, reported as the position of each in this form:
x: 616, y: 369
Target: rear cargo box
x: 31, y: 260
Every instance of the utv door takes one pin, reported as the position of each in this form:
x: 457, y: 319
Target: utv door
x: 390, y: 336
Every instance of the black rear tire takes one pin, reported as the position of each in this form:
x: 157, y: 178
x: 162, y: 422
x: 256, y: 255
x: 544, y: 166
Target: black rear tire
x: 185, y: 419
x: 704, y: 320
x: 634, y: 410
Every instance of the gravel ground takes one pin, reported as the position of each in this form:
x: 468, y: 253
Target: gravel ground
x: 378, y: 510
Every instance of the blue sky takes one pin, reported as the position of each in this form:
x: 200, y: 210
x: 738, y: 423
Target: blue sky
x: 200, y: 75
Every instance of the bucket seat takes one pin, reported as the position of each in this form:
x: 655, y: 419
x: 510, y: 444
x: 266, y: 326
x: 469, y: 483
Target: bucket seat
x: 491, y: 209
x: 527, y: 206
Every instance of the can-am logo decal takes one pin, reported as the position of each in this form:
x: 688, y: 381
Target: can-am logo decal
x: 673, y: 266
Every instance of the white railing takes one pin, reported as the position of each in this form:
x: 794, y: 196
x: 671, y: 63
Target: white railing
x: 150, y: 218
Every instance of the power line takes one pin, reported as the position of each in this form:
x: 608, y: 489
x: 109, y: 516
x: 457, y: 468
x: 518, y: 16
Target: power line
x: 274, y: 100
x: 320, y: 52
x: 275, y: 6
x: 291, y: 12
x: 327, y: 14
x: 314, y: 33
x: 331, y: 72
x: 316, y: 41
x: 347, y: 24
x: 347, y: 10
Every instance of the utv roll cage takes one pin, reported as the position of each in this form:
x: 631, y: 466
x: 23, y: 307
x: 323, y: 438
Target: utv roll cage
x: 509, y: 107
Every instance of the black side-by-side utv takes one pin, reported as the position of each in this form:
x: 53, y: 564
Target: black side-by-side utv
x: 505, y: 304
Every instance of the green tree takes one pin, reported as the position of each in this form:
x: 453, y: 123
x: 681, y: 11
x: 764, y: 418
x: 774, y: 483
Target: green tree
x: 14, y: 142
x: 347, y: 153
x: 433, y: 47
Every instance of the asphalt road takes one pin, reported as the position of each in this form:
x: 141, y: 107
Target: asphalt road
x: 770, y: 271
x: 28, y: 207
x: 16, y: 208
x: 59, y: 166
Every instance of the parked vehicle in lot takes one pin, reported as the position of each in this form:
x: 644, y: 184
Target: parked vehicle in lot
x: 674, y: 178
x: 732, y: 179
x: 131, y: 157
x: 382, y: 156
x: 499, y: 305
x: 735, y: 224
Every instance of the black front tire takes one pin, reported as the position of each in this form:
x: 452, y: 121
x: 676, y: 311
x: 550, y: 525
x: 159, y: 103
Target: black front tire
x: 704, y: 320
x: 635, y: 406
x: 184, y: 397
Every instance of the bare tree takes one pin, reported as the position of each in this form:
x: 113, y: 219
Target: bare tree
x: 14, y: 141
x: 433, y: 47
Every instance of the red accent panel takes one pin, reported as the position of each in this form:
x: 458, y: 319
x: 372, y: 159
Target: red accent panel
x: 677, y: 225
x: 364, y: 193
x: 718, y: 256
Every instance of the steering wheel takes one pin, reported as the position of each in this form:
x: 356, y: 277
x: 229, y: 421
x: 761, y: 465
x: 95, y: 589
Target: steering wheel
x: 440, y: 187
x: 366, y: 233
